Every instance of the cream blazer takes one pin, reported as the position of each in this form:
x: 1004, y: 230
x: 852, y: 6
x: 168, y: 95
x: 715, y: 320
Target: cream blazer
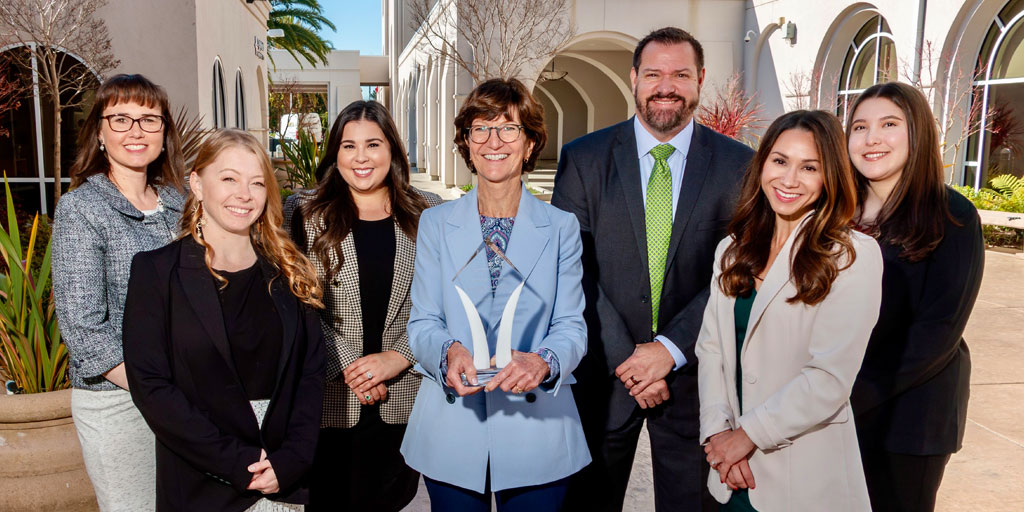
x: 799, y: 364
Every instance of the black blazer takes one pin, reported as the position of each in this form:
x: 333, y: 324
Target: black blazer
x: 911, y: 394
x: 599, y: 180
x: 183, y: 380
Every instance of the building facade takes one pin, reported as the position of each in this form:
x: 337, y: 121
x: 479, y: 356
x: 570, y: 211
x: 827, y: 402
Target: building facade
x: 340, y: 80
x: 210, y: 56
x: 789, y: 54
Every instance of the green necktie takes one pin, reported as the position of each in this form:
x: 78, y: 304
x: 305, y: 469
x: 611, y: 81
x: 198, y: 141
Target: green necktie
x: 659, y: 224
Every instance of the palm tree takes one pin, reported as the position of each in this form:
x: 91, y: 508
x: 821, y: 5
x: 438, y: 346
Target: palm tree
x: 300, y: 20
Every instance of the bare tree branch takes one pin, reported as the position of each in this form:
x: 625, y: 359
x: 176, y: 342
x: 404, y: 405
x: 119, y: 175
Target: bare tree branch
x: 959, y: 117
x: 67, y: 45
x: 503, y: 36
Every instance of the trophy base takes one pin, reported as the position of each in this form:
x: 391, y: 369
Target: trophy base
x: 482, y: 377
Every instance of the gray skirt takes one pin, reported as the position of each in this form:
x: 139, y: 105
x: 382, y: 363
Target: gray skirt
x: 259, y: 407
x: 118, y: 448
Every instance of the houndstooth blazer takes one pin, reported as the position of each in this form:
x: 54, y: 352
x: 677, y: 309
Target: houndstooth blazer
x: 341, y: 320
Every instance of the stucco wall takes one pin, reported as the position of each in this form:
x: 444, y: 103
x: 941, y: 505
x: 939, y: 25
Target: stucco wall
x: 158, y: 40
x: 228, y: 29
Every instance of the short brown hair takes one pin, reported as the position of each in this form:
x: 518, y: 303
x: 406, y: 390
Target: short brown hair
x: 490, y: 100
x: 669, y: 35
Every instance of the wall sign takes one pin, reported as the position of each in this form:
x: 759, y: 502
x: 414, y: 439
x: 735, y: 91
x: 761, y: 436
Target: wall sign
x: 258, y: 46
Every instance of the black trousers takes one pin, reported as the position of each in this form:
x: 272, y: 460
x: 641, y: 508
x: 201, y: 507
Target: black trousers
x: 361, y: 468
x: 902, y: 483
x: 678, y: 460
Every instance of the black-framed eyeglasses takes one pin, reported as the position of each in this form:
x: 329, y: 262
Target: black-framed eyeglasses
x: 507, y: 133
x: 123, y: 123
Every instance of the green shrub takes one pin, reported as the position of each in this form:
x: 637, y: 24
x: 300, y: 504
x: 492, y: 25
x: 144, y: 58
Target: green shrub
x: 1005, y: 193
x: 31, y: 351
x: 303, y: 157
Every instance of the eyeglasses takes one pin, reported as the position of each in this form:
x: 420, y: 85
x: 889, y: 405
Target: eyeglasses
x: 123, y: 123
x: 507, y: 133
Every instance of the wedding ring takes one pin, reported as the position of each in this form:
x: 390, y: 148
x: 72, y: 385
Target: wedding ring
x: 369, y: 375
x: 516, y: 390
x: 634, y: 380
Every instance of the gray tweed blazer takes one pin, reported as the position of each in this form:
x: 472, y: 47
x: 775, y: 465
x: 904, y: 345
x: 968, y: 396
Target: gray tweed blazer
x: 342, y: 324
x: 96, y: 233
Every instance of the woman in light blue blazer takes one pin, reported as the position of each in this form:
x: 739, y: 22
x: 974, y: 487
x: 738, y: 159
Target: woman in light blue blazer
x: 517, y: 435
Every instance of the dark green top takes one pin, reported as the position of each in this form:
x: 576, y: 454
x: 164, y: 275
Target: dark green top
x: 740, y: 502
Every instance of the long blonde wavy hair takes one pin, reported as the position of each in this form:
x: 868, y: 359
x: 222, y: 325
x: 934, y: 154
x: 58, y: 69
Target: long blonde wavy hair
x: 266, y: 234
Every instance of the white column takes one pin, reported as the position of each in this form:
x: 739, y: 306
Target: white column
x: 421, y: 114
x: 447, y: 129
x: 432, y: 117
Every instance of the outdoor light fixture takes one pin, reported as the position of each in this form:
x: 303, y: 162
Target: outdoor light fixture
x: 275, y: 32
x: 789, y: 32
x: 550, y: 75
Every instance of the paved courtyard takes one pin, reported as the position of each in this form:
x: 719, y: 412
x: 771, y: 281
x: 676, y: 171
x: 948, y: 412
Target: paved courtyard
x: 987, y: 475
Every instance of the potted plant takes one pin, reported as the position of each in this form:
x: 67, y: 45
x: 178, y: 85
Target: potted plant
x: 41, y: 465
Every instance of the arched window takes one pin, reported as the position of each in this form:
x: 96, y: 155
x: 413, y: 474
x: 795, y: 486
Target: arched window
x: 27, y: 150
x: 999, y: 91
x: 871, y: 59
x: 239, y: 101
x: 220, y: 119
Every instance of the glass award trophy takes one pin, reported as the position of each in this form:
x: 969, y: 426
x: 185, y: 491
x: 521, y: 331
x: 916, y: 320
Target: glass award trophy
x: 503, y: 345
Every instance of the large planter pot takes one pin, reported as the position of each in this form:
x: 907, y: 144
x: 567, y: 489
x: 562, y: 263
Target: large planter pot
x: 41, y: 466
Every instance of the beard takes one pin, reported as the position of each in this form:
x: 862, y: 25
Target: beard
x: 666, y: 120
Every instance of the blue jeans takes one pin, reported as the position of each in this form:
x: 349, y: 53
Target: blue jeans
x: 445, y: 497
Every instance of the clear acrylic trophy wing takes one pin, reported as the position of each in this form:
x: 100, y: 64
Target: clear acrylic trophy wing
x: 503, y: 345
x: 481, y: 355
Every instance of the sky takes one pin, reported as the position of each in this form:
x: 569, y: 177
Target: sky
x: 358, y: 23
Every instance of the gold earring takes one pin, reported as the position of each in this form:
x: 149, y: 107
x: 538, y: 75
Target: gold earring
x: 202, y: 219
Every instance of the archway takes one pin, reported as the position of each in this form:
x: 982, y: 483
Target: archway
x: 27, y: 153
x: 587, y: 84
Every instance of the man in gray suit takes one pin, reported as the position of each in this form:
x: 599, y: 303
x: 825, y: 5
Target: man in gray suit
x: 653, y: 196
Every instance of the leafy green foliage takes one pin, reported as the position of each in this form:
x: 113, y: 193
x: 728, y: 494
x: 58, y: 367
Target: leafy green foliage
x: 303, y: 157
x: 1006, y: 184
x: 301, y: 20
x: 31, y: 351
x: 1006, y: 194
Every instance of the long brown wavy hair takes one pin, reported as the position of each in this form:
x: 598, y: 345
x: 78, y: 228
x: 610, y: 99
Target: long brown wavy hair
x: 266, y: 234
x: 334, y: 211
x: 914, y: 215
x: 168, y: 168
x: 822, y: 247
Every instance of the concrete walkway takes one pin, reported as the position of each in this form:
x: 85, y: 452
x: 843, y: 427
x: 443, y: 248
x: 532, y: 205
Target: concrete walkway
x: 988, y: 474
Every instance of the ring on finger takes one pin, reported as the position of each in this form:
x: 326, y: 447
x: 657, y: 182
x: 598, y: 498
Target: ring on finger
x: 368, y: 398
x: 517, y: 390
x: 633, y: 380
x: 369, y: 375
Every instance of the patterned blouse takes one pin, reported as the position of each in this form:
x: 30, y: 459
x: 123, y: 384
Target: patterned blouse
x: 497, y: 230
